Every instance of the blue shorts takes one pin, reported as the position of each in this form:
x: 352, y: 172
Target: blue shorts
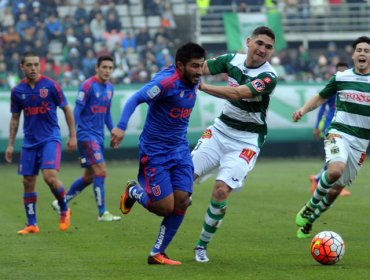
x: 91, y: 152
x: 161, y: 175
x: 46, y: 156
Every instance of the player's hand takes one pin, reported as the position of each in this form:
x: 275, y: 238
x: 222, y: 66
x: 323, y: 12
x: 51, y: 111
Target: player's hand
x: 72, y: 143
x: 117, y: 136
x: 9, y: 154
x: 297, y: 115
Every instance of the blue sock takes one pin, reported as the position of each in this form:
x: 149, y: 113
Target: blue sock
x: 77, y: 186
x: 99, y: 191
x: 167, y: 231
x: 138, y: 193
x: 29, y: 200
x: 60, y: 195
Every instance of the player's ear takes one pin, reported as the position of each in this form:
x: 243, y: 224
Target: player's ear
x: 180, y: 66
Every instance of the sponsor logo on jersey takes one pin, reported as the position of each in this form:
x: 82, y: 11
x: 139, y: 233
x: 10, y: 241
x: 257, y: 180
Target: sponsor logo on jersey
x: 109, y: 94
x: 44, y: 92
x: 156, y: 190
x: 83, y: 160
x: 80, y: 96
x: 207, y: 134
x: 153, y: 91
x: 258, y: 85
x: 23, y: 96
x: 247, y: 155
x: 38, y: 110
x: 97, y: 94
x: 182, y: 94
x: 180, y: 113
x: 356, y: 96
x: 98, y: 109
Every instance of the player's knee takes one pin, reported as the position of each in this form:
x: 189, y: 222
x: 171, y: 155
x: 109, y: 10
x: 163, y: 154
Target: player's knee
x: 162, y: 210
x: 221, y: 191
x: 50, y: 179
x: 334, y: 175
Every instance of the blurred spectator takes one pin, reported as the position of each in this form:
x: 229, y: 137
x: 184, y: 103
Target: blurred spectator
x: 103, y: 50
x: 89, y: 63
x: 18, y: 7
x: 94, y: 10
x: 167, y: 18
x: 303, y: 64
x: 128, y: 42
x: 37, y: 15
x: 23, y: 24
x: 140, y: 74
x: 80, y: 15
x: 142, y: 37
x: 111, y: 10
x: 112, y: 22
x: 48, y: 71
x: 164, y: 58
x: 86, y: 34
x: 97, y: 27
x: 331, y: 51
x: 123, y: 68
x: 54, y: 29
x: 7, y: 18
x: 3, y: 75
x: 321, y: 69
x: 112, y: 38
x: 152, y: 7
x: 280, y: 70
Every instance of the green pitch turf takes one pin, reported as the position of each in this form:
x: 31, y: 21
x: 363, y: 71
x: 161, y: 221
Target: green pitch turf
x: 256, y: 240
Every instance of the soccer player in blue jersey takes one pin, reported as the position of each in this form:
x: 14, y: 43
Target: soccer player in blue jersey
x: 38, y: 97
x: 324, y: 118
x: 166, y: 168
x: 92, y: 112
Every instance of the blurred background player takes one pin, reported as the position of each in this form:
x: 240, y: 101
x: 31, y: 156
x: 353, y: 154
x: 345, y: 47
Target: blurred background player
x: 38, y: 97
x: 348, y: 135
x: 166, y: 169
x: 324, y: 118
x: 92, y: 112
x: 232, y: 144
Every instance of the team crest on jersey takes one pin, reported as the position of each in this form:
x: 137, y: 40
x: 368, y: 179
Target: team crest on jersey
x: 97, y: 156
x: 97, y: 94
x: 247, y: 155
x: 44, y: 92
x: 109, y: 94
x: 23, y: 96
x: 207, y: 134
x: 80, y: 96
x: 182, y: 94
x: 267, y: 80
x: 258, y: 85
x: 156, y: 190
x: 83, y: 160
x: 153, y: 91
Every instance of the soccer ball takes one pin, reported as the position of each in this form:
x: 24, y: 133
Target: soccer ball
x: 327, y: 247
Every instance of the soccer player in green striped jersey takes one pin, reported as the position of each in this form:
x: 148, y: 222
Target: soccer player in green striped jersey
x: 232, y: 144
x: 347, y: 137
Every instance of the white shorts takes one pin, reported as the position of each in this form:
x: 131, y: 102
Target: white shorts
x: 339, y: 149
x: 234, y: 159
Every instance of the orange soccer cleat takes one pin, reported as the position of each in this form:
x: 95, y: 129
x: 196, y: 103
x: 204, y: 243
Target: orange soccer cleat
x: 162, y: 258
x: 345, y: 192
x: 313, y: 183
x: 29, y: 229
x: 65, y: 220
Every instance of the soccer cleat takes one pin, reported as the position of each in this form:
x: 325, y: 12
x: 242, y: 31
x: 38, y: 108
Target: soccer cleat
x: 108, y: 217
x: 55, y: 206
x: 29, y: 229
x: 345, y: 192
x: 162, y: 258
x: 304, y: 232
x: 126, y: 201
x: 303, y: 215
x: 200, y: 254
x: 313, y: 183
x: 65, y: 221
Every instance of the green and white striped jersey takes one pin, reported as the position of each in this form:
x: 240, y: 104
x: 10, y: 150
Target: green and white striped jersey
x: 240, y: 118
x: 352, y: 115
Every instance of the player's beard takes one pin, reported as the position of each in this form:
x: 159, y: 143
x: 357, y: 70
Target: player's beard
x: 190, y: 78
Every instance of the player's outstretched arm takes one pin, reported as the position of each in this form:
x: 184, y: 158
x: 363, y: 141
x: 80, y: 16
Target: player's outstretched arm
x: 309, y: 106
x: 13, y: 129
x: 227, y: 92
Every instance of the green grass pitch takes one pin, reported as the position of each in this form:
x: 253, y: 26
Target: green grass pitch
x: 256, y: 240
